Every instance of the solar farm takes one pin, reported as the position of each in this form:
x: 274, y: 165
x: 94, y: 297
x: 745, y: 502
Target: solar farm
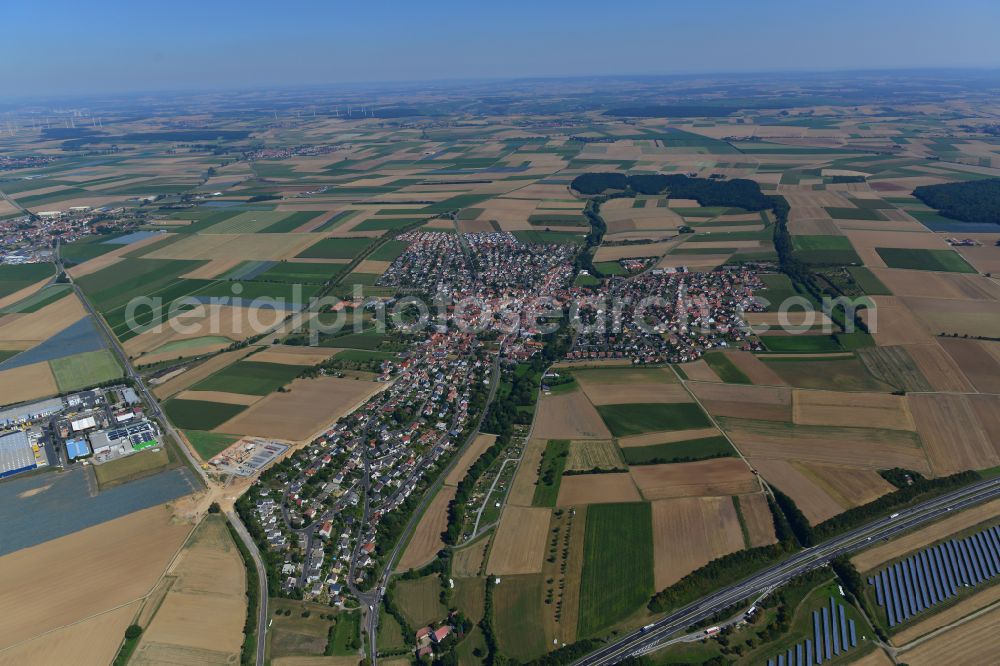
x: 934, y: 575
x: 833, y: 635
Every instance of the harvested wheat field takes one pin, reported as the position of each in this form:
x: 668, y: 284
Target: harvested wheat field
x: 105, y: 575
x: 848, y: 486
x: 92, y: 641
x: 519, y: 544
x: 43, y: 324
x: 469, y: 457
x: 815, y: 503
x: 720, y: 476
x: 597, y: 489
x: 978, y: 361
x: 622, y: 376
x: 978, y: 601
x: 758, y: 519
x: 21, y: 294
x: 955, y: 317
x: 294, y: 355
x: 466, y: 562
x: 317, y: 661
x: 594, y: 454
x: 568, y: 416
x: 902, y: 282
x: 754, y: 368
x: 669, y: 437
x: 952, y: 433
x: 195, y: 374
x: 892, y: 323
x: 939, y: 369
x: 426, y: 541
x: 27, y: 383
x: 955, y: 522
x: 616, y: 252
x: 876, y: 657
x: 963, y: 644
x: 248, y: 247
x: 212, y: 269
x: 600, y: 394
x: 522, y: 488
x: 201, y: 617
x: 204, y: 321
x: 855, y: 447
x: 219, y: 396
x: 870, y: 410
x: 895, y: 367
x: 111, y: 258
x: 773, y: 403
x: 690, y: 532
x: 699, y: 371
x: 308, y: 406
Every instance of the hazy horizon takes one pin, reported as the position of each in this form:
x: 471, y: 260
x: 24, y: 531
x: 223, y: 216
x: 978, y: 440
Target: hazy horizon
x: 129, y: 48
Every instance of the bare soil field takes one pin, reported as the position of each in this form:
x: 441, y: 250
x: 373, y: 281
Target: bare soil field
x: 308, y: 406
x: 757, y: 516
x: 594, y: 454
x: 964, y: 644
x: 719, y: 476
x: 651, y: 438
x: 977, y: 363
x: 426, y: 541
x: 219, y: 396
x: 812, y: 500
x: 92, y: 641
x: 597, y: 489
x: 939, y: 369
x: 952, y: 434
x: 903, y: 282
x: 871, y: 410
x: 753, y: 368
x: 699, y: 371
x: 967, y: 606
x: 522, y: 489
x: 471, y: 455
x: 951, y: 316
x: 27, y: 383
x: 690, y: 532
x: 105, y: 575
x: 519, y: 543
x: 46, y: 322
x: 192, y: 376
x: 568, y: 416
x: 466, y: 561
x: 205, y: 609
x: 773, y: 403
x: 855, y: 447
x: 894, y: 323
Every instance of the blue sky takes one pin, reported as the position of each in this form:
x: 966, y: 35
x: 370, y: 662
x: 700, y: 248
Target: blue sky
x: 54, y: 47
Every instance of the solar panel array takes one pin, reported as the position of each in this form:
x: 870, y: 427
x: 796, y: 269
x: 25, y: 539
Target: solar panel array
x: 833, y: 635
x: 933, y: 575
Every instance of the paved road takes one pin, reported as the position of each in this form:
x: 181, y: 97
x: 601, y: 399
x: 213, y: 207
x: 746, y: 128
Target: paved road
x: 166, y: 427
x: 802, y: 562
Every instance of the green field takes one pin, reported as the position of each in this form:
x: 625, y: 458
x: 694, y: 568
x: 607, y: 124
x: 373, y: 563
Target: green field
x: 38, y: 300
x: 727, y: 371
x: 419, y: 600
x: 85, y: 249
x: 818, y: 249
x: 247, y: 222
x: 637, y: 418
x: 517, y: 616
x: 848, y: 213
x: 610, y: 268
x: 389, y: 250
x: 250, y: 378
x: 801, y: 344
x: 83, y: 370
x: 16, y: 277
x: 121, y: 470
x: 779, y: 289
x: 840, y: 373
x: 674, y: 452
x: 200, y: 414
x: 867, y: 281
x: 336, y: 248
x: 345, y: 639
x: 947, y: 261
x: 617, y: 574
x: 295, y: 271
x: 208, y: 444
x: 361, y: 355
x: 384, y: 223
x: 550, y: 472
x: 192, y: 343
x: 291, y: 222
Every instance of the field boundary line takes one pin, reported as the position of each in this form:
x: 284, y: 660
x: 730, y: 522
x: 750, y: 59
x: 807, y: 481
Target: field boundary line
x: 948, y: 627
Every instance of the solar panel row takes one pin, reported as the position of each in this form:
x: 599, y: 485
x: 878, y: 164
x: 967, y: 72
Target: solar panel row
x: 935, y: 574
x: 833, y: 634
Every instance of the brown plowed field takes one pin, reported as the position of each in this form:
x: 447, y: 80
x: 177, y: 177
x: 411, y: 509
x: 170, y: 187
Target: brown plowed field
x: 426, y: 540
x: 848, y: 486
x: 753, y: 368
x: 597, y: 489
x: 940, y: 369
x: 954, y: 438
x: 519, y: 544
x: 894, y: 323
x: 568, y: 416
x: 976, y: 362
x: 699, y: 371
x: 757, y: 516
x: 741, y: 401
x: 856, y: 447
x: 471, y: 455
x: 690, y: 532
x: 870, y: 410
x: 522, y: 489
x: 720, y: 476
x: 813, y: 501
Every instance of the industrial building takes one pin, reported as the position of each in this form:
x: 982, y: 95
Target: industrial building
x: 18, y: 453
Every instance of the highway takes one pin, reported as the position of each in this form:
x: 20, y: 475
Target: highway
x: 776, y: 575
x: 157, y: 412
